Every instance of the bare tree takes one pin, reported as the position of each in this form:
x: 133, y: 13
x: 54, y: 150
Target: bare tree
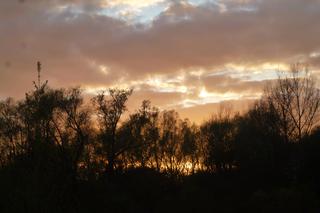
x: 71, y: 123
x: 297, y: 101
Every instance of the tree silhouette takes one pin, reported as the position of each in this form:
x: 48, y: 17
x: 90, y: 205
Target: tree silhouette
x: 219, y: 134
x: 297, y: 101
x: 109, y: 112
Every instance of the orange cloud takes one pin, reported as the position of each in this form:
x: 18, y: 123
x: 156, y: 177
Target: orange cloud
x: 227, y: 48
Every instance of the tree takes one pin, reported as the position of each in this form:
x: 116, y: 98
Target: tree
x: 169, y: 147
x: 109, y: 112
x: 297, y: 101
x: 10, y: 129
x: 138, y: 133
x: 72, y: 125
x: 218, y: 133
x: 190, y: 135
x: 258, y: 144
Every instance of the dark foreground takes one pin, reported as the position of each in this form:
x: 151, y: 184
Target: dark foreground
x: 144, y: 190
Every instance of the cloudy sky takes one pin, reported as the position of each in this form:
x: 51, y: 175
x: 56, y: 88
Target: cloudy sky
x: 188, y: 55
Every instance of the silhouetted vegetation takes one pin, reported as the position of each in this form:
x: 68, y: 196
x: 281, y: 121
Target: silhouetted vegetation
x: 61, y: 153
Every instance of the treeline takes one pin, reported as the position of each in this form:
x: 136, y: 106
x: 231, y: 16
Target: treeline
x: 54, y: 146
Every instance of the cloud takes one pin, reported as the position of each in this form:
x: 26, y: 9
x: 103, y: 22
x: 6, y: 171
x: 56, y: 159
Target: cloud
x: 78, y: 44
x: 132, y: 3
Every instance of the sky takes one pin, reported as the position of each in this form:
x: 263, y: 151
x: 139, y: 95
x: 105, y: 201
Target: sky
x: 188, y: 55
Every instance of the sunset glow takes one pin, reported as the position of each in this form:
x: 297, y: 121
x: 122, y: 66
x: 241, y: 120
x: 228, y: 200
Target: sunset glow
x: 159, y: 106
x: 193, y: 52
